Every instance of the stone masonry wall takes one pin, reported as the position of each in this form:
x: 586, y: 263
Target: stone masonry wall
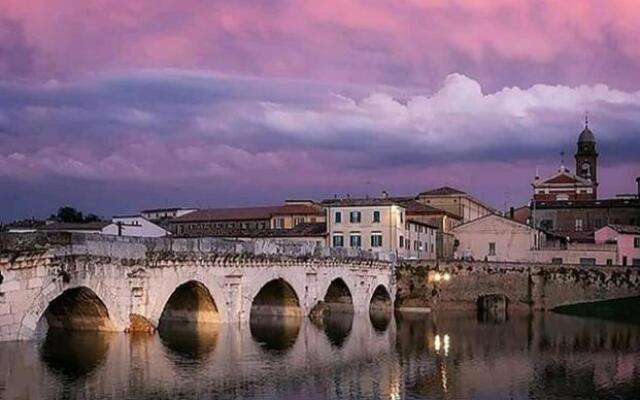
x: 457, y: 284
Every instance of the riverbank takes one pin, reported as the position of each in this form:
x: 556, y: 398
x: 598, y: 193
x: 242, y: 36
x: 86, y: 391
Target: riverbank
x: 620, y: 310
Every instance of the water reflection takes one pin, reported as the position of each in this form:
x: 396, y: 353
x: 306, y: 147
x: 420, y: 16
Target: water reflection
x: 380, y: 319
x: 74, y: 354
x: 189, y: 341
x: 338, y: 326
x: 275, y: 332
x: 418, y: 356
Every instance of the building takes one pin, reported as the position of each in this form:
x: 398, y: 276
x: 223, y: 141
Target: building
x: 135, y: 226
x: 309, y: 232
x: 563, y: 186
x: 379, y: 225
x: 455, y: 202
x: 496, y: 238
x: 78, y: 227
x: 581, y: 185
x: 499, y: 239
x: 445, y: 221
x: 210, y: 221
x: 626, y: 239
x: 578, y: 220
x: 160, y: 214
x: 566, y: 252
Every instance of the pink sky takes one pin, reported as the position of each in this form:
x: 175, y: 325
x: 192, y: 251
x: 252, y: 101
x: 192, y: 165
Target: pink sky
x: 310, y: 97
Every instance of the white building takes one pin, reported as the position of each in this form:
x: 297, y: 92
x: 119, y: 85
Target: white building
x: 136, y: 226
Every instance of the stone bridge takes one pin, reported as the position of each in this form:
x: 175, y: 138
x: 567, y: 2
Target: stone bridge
x: 93, y: 282
x: 459, y: 284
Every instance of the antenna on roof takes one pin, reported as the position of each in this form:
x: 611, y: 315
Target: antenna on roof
x: 562, y: 160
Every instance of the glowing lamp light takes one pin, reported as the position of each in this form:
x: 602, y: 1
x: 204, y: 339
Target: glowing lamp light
x: 446, y: 276
x: 437, y: 277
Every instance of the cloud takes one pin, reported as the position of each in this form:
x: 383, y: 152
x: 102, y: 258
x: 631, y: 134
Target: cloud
x: 172, y: 125
x: 417, y: 42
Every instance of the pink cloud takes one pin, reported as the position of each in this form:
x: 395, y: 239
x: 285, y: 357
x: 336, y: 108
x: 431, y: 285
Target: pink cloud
x: 416, y: 42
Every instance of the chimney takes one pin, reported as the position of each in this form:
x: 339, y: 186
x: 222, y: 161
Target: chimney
x: 511, y: 212
x: 385, y: 195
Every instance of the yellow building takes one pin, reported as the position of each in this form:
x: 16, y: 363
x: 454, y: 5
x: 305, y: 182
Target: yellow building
x: 456, y: 202
x: 378, y: 225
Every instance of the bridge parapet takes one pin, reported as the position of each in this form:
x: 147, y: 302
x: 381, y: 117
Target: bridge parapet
x: 67, y: 243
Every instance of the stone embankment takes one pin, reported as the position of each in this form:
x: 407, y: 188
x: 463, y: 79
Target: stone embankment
x: 457, y: 284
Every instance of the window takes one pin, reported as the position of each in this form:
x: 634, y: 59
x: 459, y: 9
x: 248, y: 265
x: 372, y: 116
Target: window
x: 432, y: 248
x: 376, y: 239
x: 492, y: 249
x: 624, y: 261
x: 609, y: 261
x: 546, y: 224
x: 401, y: 241
x: 578, y: 226
x: 376, y: 216
x: 556, y: 260
x: 338, y: 240
x: 401, y: 217
x: 279, y: 223
x: 355, y: 239
x: 297, y: 221
x: 587, y: 261
x: 355, y: 216
x: 635, y: 262
x: 338, y: 217
x: 636, y: 242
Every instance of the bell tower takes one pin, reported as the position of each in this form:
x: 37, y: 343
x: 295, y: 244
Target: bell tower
x: 587, y: 157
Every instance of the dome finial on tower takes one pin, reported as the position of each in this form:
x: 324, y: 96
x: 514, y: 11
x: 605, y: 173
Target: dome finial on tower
x: 586, y: 119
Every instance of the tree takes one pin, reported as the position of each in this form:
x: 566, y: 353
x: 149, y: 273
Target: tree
x: 70, y: 214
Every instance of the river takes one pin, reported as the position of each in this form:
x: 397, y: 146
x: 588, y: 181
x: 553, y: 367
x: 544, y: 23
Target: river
x: 443, y: 355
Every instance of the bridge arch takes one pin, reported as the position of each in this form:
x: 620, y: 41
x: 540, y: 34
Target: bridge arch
x: 190, y: 302
x: 339, y: 297
x: 276, y: 297
x: 71, y: 305
x: 380, y: 308
x: 380, y: 298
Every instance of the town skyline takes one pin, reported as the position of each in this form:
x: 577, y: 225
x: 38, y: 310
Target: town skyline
x: 241, y: 104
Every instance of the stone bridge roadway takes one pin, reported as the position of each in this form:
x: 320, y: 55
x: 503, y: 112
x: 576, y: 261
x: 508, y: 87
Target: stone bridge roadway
x: 89, y: 282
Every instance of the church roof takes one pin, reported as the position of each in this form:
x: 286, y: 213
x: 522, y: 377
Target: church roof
x: 586, y: 136
x: 444, y: 190
x: 562, y: 177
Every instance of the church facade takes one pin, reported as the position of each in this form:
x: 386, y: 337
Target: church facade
x: 565, y: 185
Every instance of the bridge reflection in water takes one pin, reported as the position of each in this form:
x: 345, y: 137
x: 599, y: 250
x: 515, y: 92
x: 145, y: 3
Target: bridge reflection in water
x: 439, y: 356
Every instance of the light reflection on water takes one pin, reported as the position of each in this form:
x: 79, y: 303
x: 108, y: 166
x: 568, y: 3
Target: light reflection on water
x: 412, y: 356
